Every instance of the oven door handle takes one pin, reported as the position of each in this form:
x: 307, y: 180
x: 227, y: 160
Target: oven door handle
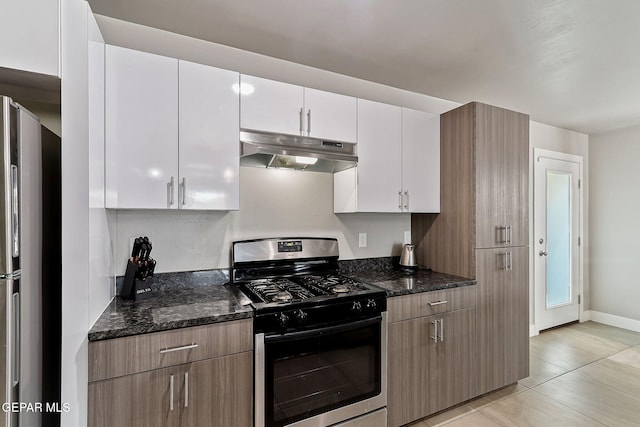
x: 329, y: 330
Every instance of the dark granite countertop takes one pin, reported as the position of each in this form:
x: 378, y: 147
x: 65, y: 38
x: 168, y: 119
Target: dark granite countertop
x: 202, y: 297
x: 180, y: 300
x: 387, y: 274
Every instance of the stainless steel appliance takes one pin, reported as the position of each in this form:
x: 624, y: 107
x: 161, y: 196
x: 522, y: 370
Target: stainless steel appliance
x: 320, y: 337
x: 408, y: 256
x: 25, y: 167
x: 264, y: 149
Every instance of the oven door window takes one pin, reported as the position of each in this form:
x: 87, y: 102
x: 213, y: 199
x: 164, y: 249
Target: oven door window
x: 316, y: 371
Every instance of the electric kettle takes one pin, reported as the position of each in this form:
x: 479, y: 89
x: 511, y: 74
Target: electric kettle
x: 408, y: 256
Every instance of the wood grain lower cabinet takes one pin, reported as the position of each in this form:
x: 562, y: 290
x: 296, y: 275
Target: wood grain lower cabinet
x: 503, y: 317
x: 138, y: 400
x: 215, y: 392
x: 220, y: 392
x: 430, y: 364
x: 209, y: 383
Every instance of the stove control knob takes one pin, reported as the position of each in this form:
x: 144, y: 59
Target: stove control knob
x: 283, y: 320
x: 301, y: 317
x: 371, y: 305
x: 356, y: 307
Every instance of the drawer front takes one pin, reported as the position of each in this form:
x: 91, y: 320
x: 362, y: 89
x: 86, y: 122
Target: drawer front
x: 428, y: 303
x: 129, y: 355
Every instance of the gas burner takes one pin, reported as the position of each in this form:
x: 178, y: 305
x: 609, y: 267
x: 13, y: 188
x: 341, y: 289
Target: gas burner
x: 334, y: 284
x: 283, y: 296
x: 280, y: 290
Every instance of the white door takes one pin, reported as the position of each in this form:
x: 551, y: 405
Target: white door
x: 141, y: 129
x: 271, y: 106
x: 329, y: 115
x: 209, y: 148
x: 557, y: 215
x: 379, y: 186
x: 420, y: 161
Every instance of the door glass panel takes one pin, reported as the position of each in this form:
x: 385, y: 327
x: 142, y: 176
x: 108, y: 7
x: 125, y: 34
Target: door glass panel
x: 558, y: 238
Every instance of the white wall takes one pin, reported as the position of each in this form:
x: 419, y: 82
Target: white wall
x: 75, y: 212
x: 563, y: 141
x: 614, y: 225
x: 273, y: 203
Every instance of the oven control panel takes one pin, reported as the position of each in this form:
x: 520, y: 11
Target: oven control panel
x: 290, y: 246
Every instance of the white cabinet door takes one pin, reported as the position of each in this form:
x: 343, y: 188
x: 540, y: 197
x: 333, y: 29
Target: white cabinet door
x: 420, y: 161
x: 330, y: 115
x: 141, y: 128
x: 379, y: 157
x: 209, y: 140
x: 271, y: 106
x: 30, y: 33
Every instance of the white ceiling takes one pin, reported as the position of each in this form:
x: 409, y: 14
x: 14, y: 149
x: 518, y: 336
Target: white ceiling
x: 573, y: 63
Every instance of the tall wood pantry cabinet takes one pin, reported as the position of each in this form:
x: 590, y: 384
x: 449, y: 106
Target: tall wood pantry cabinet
x: 482, y: 231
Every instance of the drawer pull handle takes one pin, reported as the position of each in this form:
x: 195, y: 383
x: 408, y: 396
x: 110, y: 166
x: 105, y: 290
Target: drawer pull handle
x: 438, y: 303
x: 184, y: 347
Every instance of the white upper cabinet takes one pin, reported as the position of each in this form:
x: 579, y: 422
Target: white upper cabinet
x: 398, y: 162
x: 30, y: 33
x: 420, y: 161
x: 141, y: 126
x: 171, y: 133
x: 208, y: 141
x: 271, y: 106
x: 376, y: 186
x: 329, y: 115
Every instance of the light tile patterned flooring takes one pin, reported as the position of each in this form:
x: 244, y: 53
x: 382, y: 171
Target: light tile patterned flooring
x: 585, y: 374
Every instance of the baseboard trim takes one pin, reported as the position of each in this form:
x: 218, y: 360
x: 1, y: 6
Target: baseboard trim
x: 533, y: 331
x: 613, y: 320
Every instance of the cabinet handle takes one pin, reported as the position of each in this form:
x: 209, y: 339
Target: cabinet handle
x: 509, y: 261
x: 441, y: 330
x: 184, y: 191
x: 186, y: 389
x: 400, y: 200
x: 309, y: 122
x: 434, y: 337
x: 171, y: 393
x: 406, y: 201
x: 504, y: 261
x: 301, y: 120
x: 502, y: 238
x: 184, y: 347
x: 437, y: 303
x: 508, y: 233
x: 171, y: 192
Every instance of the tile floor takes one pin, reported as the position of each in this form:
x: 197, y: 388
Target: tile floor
x: 585, y: 374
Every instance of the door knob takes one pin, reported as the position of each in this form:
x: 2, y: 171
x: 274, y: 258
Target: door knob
x: 542, y: 253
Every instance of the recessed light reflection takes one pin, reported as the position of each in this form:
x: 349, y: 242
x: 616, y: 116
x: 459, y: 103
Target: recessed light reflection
x: 243, y: 88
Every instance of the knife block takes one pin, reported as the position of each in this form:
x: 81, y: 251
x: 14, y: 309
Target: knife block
x: 137, y: 281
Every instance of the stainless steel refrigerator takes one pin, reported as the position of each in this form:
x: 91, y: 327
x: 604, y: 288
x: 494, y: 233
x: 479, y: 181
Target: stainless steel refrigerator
x: 25, y: 223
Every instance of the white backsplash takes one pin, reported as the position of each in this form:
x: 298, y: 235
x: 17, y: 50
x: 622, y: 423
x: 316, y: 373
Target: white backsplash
x: 273, y: 203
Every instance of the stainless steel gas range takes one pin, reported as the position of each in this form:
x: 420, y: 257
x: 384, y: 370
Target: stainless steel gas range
x: 320, y: 337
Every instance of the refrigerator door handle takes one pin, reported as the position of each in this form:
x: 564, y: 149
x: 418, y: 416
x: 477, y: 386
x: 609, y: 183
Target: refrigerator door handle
x: 15, y: 213
x: 15, y: 354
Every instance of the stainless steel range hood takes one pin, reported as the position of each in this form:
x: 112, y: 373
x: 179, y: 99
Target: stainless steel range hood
x: 264, y: 149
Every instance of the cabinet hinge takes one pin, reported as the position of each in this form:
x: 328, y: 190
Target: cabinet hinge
x: 579, y: 241
x: 579, y: 183
x: 578, y: 299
